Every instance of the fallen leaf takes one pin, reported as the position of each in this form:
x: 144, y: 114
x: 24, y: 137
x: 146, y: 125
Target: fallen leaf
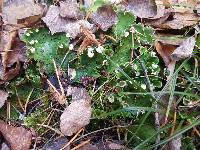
x: 17, y: 138
x: 3, y: 97
x: 56, y: 23
x: 158, y: 21
x: 88, y: 147
x: 141, y: 8
x: 179, y: 21
x: 78, y: 93
x: 17, y: 52
x: 114, y: 146
x: 57, y: 144
x: 7, y: 40
x: 17, y: 11
x: 165, y: 51
x: 184, y: 50
x: 77, y: 114
x: 70, y: 9
x: 105, y: 17
x: 13, y: 51
x: 89, y: 40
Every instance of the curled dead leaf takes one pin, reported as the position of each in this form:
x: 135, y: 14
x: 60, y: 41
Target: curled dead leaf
x: 165, y: 51
x: 56, y: 23
x: 179, y: 21
x: 18, y: 138
x: 13, y: 51
x: 105, y: 17
x: 88, y: 147
x: 141, y: 8
x: 69, y: 9
x: 77, y: 114
x: 184, y: 50
x: 25, y: 12
x: 3, y: 97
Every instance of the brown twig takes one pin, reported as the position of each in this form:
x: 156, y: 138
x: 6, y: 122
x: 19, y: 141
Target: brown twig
x: 72, y: 139
x: 80, y: 145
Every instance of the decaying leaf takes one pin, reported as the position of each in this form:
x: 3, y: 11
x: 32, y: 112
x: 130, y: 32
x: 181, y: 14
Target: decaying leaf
x: 13, y: 51
x: 17, y: 138
x: 69, y: 9
x: 17, y: 11
x: 89, y: 40
x: 105, y: 17
x: 171, y: 47
x: 184, y: 50
x: 7, y: 40
x: 57, y: 144
x: 165, y: 51
x: 141, y: 8
x: 56, y: 23
x: 180, y: 20
x: 114, y: 146
x: 88, y: 147
x: 3, y: 97
x: 78, y: 93
x: 77, y: 114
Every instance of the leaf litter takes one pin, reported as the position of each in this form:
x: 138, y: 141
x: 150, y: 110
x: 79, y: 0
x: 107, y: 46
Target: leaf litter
x: 82, y: 27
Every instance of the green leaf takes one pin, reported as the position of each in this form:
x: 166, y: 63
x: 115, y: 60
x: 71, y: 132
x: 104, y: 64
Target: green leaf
x: 125, y: 21
x: 44, y: 47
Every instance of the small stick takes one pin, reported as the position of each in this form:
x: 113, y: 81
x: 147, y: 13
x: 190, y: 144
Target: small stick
x: 27, y: 100
x: 19, y: 101
x: 61, y: 87
x: 56, y: 131
x: 72, y: 139
x: 80, y: 145
x: 174, y: 124
x: 8, y: 111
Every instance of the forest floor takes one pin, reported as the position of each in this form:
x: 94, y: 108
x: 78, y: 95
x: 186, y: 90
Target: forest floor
x: 99, y: 75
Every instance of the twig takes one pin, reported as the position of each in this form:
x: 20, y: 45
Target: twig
x: 56, y: 131
x: 72, y: 139
x: 80, y: 145
x: 19, y: 100
x: 99, y: 131
x: 174, y: 124
x: 61, y: 87
x: 27, y: 100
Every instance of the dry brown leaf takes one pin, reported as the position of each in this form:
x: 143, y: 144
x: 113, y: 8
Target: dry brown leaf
x: 105, y: 17
x: 88, y: 147
x: 184, y: 50
x: 89, y: 40
x: 7, y: 40
x: 57, y: 144
x: 13, y: 51
x: 78, y: 93
x: 58, y: 24
x: 115, y: 146
x: 180, y: 20
x: 10, y: 74
x: 17, y: 138
x: 69, y: 9
x: 17, y: 11
x: 76, y: 115
x: 165, y: 51
x: 3, y: 97
x: 141, y: 8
